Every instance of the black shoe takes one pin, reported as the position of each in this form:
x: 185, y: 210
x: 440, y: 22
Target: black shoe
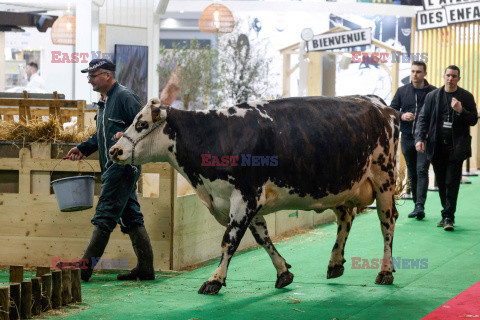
x: 421, y: 215
x: 143, y: 250
x: 412, y: 214
x: 418, y: 213
x: 448, y: 224
x: 95, y: 250
x: 440, y: 224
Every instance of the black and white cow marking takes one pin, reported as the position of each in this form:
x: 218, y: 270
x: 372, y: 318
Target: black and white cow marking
x: 337, y: 153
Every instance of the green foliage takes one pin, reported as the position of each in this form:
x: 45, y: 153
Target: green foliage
x: 196, y: 66
x: 236, y: 72
x: 244, y: 67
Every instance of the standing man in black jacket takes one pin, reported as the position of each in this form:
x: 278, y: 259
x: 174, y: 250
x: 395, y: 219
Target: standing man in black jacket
x: 408, y: 101
x: 443, y: 133
x: 118, y: 198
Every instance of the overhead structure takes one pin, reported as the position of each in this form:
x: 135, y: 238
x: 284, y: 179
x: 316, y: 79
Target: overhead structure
x: 216, y: 18
x: 314, y: 70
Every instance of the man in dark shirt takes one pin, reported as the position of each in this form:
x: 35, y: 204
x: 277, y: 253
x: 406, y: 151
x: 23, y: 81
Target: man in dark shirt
x: 443, y: 133
x: 118, y: 202
x: 408, y: 101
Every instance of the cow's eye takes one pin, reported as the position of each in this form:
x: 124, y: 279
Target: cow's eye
x: 141, y: 125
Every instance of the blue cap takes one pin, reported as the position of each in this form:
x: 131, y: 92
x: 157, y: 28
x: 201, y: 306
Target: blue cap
x: 96, y: 64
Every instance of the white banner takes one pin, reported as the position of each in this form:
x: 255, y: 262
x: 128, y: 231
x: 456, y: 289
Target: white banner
x: 436, y: 4
x: 429, y: 19
x: 344, y: 39
x: 461, y: 13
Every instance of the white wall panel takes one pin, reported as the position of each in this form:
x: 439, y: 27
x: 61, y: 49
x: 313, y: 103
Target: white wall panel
x: 131, y: 13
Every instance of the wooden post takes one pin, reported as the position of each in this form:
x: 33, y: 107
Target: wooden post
x: 314, y: 74
x: 42, y: 270
x: 81, y: 105
x: 36, y: 296
x: 66, y: 286
x: 395, y: 75
x: 56, y: 289
x: 46, y: 292
x: 16, y: 274
x: 15, y: 301
x: 76, y: 286
x: 26, y: 297
x: 286, y: 75
x: 4, y: 303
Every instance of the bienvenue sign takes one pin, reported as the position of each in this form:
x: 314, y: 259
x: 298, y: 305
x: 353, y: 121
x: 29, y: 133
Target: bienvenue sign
x: 344, y: 39
x: 441, y: 13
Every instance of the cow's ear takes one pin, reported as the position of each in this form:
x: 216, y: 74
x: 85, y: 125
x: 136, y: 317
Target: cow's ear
x: 154, y: 105
x: 154, y: 102
x: 156, y: 113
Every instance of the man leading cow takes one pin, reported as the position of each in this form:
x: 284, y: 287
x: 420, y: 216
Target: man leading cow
x: 118, y: 200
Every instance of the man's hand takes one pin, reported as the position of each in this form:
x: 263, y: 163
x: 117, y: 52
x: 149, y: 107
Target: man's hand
x: 408, y: 116
x: 456, y: 105
x: 74, y: 154
x: 420, y: 146
x: 118, y: 135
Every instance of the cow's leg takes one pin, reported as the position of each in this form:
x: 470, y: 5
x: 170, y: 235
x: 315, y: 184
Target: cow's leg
x: 345, y: 218
x: 258, y: 227
x: 387, y: 213
x: 241, y: 214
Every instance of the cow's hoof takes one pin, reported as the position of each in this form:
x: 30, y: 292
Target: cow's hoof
x: 335, y: 272
x: 384, y: 277
x: 284, y: 280
x: 210, y: 287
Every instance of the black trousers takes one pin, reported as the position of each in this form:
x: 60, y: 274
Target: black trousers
x: 448, y: 172
x: 417, y: 168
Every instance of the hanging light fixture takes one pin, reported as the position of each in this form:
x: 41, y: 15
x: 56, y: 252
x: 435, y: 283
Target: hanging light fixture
x: 63, y: 30
x: 216, y: 18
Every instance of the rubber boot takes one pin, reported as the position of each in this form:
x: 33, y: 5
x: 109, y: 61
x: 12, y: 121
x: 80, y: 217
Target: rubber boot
x: 143, y: 250
x: 95, y: 250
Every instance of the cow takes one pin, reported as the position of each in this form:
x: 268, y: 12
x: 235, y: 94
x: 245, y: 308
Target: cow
x: 252, y: 159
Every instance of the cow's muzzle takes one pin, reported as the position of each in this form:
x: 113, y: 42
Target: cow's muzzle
x: 115, y: 152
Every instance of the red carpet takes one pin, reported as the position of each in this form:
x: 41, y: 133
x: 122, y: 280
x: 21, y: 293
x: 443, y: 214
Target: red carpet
x: 464, y: 306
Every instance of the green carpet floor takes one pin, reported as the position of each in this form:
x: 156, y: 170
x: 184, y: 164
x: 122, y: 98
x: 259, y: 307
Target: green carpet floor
x: 452, y: 267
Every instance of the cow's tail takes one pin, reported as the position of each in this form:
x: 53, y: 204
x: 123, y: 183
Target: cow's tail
x: 401, y: 183
x: 401, y: 167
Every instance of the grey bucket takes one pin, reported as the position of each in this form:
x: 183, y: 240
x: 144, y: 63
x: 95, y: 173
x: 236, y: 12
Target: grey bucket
x: 74, y: 193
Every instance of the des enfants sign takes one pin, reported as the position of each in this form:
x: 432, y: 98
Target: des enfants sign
x: 441, y: 13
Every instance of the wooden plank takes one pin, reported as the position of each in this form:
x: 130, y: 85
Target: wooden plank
x: 79, y: 166
x: 56, y: 289
x: 42, y: 270
x: 285, y: 221
x: 324, y: 217
x: 16, y: 274
x: 4, y: 303
x: 26, y: 300
x: 39, y: 216
x: 40, y: 181
x: 286, y: 75
x: 76, y: 286
x: 66, y: 286
x: 38, y: 103
x: 15, y: 301
x: 18, y: 95
x: 44, y: 250
x: 197, y: 235
x: 81, y: 105
x: 314, y: 74
x: 36, y: 296
x: 46, y: 292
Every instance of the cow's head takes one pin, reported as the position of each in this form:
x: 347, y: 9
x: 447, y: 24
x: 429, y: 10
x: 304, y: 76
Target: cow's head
x: 144, y: 140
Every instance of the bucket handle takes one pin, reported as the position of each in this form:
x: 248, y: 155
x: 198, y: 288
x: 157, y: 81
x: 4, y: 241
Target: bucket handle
x: 51, y: 173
